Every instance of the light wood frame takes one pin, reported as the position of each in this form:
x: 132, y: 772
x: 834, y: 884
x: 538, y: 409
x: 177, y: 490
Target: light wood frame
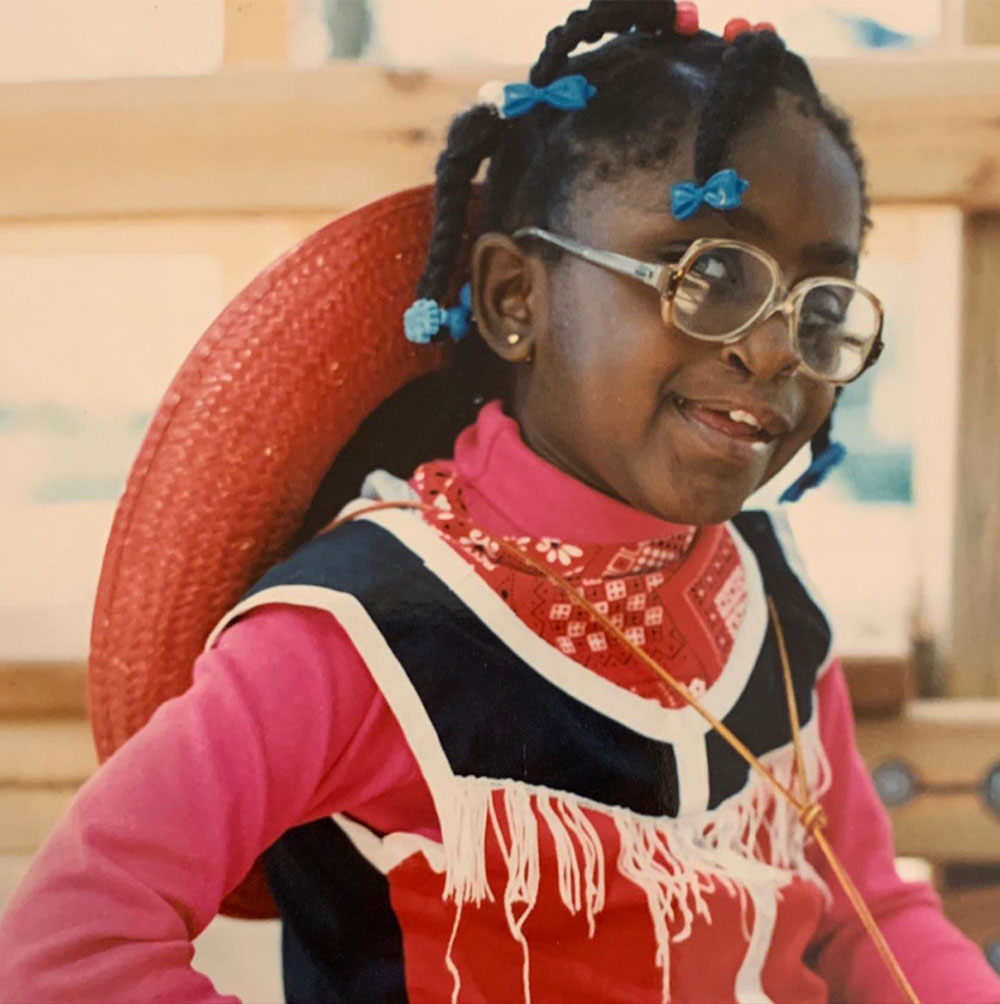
x: 279, y: 140
x: 261, y: 139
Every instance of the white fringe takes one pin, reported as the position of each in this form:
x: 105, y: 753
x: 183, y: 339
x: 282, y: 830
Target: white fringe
x: 463, y: 829
x: 523, y: 866
x: 677, y: 862
x: 456, y: 976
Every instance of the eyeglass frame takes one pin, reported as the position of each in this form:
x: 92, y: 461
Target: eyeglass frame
x: 665, y: 278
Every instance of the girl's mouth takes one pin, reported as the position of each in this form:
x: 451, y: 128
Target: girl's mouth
x: 736, y: 423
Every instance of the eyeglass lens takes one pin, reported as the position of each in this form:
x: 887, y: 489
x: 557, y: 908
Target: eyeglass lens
x: 725, y: 287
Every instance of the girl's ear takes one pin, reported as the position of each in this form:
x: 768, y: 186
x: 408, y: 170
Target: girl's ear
x: 509, y: 299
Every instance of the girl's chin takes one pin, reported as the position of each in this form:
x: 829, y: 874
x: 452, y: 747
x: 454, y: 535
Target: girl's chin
x: 704, y: 503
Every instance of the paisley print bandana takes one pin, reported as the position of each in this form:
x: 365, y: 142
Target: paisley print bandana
x: 681, y: 598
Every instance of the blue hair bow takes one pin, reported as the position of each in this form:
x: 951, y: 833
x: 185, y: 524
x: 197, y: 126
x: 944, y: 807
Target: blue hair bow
x: 815, y: 474
x: 724, y: 190
x: 425, y: 318
x: 566, y: 94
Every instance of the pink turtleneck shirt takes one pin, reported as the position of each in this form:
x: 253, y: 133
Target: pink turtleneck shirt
x: 283, y: 725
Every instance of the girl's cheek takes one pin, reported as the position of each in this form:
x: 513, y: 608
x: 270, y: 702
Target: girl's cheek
x: 823, y: 403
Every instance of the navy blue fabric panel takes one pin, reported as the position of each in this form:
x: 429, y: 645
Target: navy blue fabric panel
x: 760, y: 716
x: 801, y: 617
x: 341, y: 942
x: 357, y: 558
x: 495, y: 715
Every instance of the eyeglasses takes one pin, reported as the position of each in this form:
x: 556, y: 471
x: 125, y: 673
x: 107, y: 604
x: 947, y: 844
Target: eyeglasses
x: 720, y: 289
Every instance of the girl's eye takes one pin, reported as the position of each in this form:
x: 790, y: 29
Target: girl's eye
x: 721, y: 265
x: 825, y: 309
x: 828, y: 320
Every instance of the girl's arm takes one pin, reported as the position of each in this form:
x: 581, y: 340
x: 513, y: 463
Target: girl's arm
x: 281, y: 726
x: 942, y: 965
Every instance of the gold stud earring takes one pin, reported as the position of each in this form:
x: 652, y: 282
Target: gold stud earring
x: 513, y: 338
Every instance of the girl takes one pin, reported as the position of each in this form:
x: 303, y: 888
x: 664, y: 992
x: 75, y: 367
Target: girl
x: 553, y: 720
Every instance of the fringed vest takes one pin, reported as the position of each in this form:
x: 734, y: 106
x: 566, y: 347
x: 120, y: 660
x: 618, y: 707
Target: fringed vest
x: 595, y: 845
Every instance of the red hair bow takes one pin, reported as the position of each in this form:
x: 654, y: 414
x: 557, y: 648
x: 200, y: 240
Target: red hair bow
x: 686, y: 18
x: 738, y: 25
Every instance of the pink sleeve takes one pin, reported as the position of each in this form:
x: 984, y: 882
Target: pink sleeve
x: 940, y: 963
x: 281, y: 726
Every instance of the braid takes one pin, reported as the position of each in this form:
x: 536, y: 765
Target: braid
x: 825, y: 455
x: 749, y: 72
x: 650, y: 82
x: 653, y: 85
x: 479, y: 133
x: 821, y: 437
x: 590, y: 25
x: 473, y: 136
x: 752, y: 67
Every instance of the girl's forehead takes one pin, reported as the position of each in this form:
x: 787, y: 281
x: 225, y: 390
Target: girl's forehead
x: 803, y: 183
x: 803, y: 190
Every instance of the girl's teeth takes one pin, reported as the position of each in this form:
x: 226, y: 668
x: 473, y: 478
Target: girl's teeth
x: 738, y: 415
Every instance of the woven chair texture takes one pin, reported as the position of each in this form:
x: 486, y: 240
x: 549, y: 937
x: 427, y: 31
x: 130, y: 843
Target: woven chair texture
x: 234, y: 454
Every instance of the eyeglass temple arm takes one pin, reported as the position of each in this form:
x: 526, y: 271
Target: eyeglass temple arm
x: 652, y: 275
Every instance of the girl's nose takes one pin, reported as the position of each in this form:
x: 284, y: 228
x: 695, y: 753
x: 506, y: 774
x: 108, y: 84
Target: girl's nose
x: 766, y: 351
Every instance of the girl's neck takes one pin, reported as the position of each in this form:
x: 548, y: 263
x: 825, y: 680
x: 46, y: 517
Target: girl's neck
x: 510, y: 490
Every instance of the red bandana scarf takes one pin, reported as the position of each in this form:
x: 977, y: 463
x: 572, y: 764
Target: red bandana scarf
x: 681, y: 598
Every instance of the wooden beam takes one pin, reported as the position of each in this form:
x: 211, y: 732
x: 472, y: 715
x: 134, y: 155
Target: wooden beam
x: 976, y: 913
x: 43, y: 689
x: 950, y: 746
x: 255, y: 33
x: 266, y: 141
x: 945, y: 827
x: 42, y: 754
x: 879, y: 685
x: 28, y: 816
x: 975, y: 646
x: 981, y: 22
x: 946, y: 742
x: 975, y: 643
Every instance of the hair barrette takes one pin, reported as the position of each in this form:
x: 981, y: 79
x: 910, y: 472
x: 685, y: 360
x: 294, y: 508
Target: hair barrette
x: 424, y: 318
x: 514, y: 100
x: 816, y: 473
x: 724, y: 190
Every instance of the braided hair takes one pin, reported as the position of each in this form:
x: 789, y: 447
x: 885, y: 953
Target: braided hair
x: 651, y: 83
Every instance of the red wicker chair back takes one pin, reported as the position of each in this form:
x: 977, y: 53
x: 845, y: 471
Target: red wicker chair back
x: 235, y: 452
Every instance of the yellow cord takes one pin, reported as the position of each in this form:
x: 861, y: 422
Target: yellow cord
x: 810, y: 814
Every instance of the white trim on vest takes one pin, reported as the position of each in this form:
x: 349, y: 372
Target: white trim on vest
x: 389, y: 851
x: 465, y: 805
x: 386, y: 670
x: 642, y: 715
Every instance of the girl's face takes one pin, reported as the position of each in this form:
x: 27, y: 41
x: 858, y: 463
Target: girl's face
x: 610, y: 394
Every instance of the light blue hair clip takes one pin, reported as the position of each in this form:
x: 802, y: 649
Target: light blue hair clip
x: 724, y: 190
x: 425, y: 318
x: 513, y: 100
x: 816, y: 473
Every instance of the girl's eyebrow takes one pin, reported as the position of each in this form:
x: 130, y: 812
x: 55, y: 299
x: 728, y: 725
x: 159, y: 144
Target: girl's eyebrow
x: 830, y: 253
x: 749, y: 220
x: 822, y: 254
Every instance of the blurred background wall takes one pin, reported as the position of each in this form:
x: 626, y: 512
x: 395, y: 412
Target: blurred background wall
x: 159, y: 153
